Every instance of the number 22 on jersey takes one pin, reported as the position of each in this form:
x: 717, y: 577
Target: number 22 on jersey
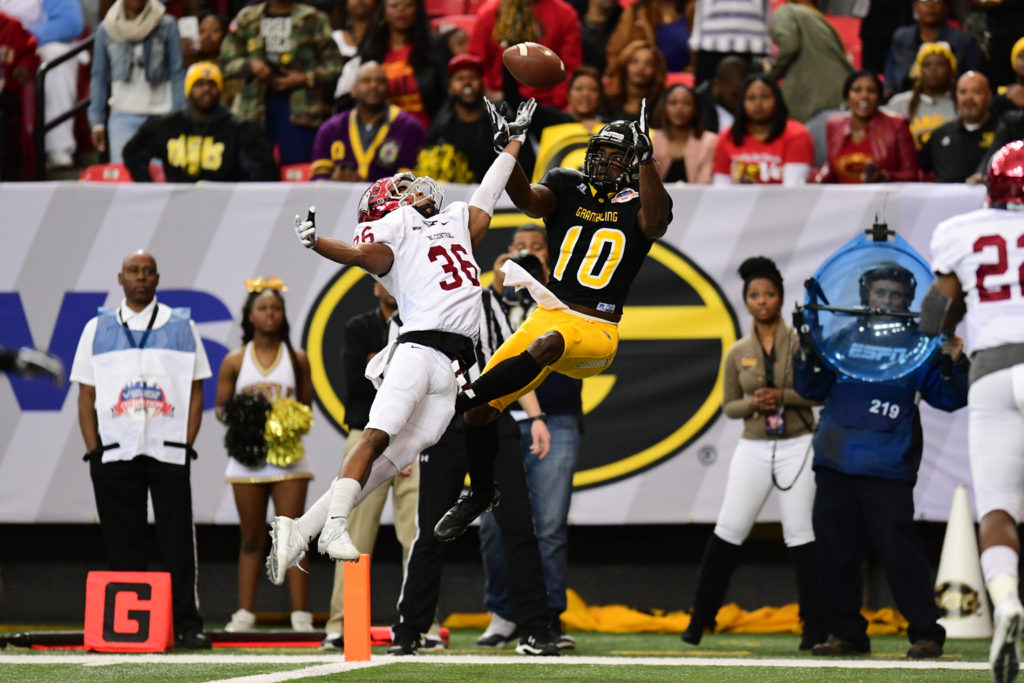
x: 593, y: 272
x: 1000, y: 267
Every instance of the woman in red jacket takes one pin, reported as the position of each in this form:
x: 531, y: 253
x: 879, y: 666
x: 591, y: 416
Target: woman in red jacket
x: 866, y: 144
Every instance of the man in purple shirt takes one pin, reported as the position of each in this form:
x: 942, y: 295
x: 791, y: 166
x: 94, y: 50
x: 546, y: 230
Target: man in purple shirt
x: 372, y: 140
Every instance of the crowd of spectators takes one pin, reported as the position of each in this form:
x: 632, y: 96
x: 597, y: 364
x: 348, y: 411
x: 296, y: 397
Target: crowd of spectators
x: 769, y: 97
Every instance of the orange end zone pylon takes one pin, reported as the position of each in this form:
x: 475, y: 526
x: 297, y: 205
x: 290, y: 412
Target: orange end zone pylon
x: 357, y: 609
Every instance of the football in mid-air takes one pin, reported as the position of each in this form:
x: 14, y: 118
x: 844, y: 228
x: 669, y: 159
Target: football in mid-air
x: 534, y: 65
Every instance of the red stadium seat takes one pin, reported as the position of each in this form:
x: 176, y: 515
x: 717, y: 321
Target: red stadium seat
x: 105, y: 173
x: 684, y: 77
x: 118, y: 173
x: 848, y: 29
x: 473, y: 5
x: 440, y: 8
x: 296, y: 173
x: 463, y: 21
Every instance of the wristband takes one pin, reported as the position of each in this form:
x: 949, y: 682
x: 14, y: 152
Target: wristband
x: 543, y: 417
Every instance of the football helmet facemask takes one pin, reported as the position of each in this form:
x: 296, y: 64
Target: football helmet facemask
x: 599, y: 167
x: 403, y: 189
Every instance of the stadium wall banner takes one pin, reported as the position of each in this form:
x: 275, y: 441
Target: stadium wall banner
x: 655, y: 448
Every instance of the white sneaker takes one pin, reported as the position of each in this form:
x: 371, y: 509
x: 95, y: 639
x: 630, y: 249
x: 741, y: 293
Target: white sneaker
x: 1004, y: 655
x: 302, y: 620
x: 335, y: 541
x: 241, y: 620
x: 500, y: 633
x: 287, y: 547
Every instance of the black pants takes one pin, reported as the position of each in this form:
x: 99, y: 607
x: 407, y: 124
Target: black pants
x: 442, y: 471
x: 120, y: 489
x: 848, y: 512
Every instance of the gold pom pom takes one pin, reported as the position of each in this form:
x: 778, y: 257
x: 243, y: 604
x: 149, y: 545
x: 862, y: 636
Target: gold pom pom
x: 287, y: 421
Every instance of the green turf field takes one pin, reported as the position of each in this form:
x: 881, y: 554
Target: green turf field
x: 598, y: 657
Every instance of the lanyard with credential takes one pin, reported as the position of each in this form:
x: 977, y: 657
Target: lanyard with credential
x: 145, y: 335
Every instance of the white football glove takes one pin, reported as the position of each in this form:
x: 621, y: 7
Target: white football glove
x: 505, y: 130
x: 305, y: 230
x: 517, y: 129
x: 33, y: 363
x: 641, y: 141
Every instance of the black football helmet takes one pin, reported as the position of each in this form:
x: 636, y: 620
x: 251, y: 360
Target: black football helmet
x: 597, y: 166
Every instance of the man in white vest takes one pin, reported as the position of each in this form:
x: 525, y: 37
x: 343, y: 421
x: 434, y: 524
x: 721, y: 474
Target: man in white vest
x: 140, y: 369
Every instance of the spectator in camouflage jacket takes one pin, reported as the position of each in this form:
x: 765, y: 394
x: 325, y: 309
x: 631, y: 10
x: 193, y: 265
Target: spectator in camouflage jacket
x: 283, y: 53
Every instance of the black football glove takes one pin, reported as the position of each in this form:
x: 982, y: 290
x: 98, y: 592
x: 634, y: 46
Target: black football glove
x: 641, y: 142
x: 499, y: 126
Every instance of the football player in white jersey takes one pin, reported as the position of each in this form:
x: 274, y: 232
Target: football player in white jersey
x: 423, y: 255
x: 979, y: 260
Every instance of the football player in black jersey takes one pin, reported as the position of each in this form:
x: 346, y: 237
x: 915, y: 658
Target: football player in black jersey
x: 600, y: 225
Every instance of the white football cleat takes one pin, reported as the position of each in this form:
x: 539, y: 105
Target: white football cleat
x: 287, y: 547
x: 1004, y: 655
x: 335, y: 541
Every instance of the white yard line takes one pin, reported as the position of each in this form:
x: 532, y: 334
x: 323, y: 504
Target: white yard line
x: 335, y: 663
x: 308, y: 672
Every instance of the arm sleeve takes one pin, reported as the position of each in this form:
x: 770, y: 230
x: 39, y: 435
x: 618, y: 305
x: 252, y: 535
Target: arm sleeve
x: 81, y: 366
x: 906, y: 156
x: 233, y: 56
x: 175, y: 66
x: 481, y: 45
x: 944, y: 384
x: 950, y: 244
x: 147, y: 143
x: 99, y: 80
x: 786, y: 35
x: 812, y: 379
x: 328, y: 58
x: 734, y: 403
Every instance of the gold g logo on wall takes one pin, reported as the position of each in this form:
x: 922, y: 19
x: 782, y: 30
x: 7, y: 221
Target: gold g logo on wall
x: 663, y: 390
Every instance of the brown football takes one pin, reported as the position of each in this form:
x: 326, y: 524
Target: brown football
x: 534, y: 65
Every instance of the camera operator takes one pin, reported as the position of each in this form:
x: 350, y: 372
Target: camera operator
x: 549, y: 477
